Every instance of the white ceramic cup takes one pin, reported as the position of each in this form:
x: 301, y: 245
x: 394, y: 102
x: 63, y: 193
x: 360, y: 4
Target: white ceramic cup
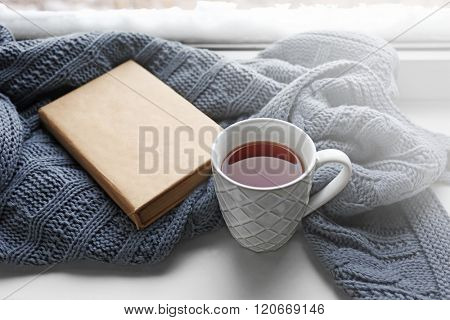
x: 265, y: 218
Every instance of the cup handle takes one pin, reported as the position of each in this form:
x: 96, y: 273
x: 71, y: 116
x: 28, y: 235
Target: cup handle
x: 337, y: 184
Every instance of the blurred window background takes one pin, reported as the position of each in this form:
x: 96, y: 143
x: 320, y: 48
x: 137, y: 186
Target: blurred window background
x: 414, y: 24
x: 191, y: 4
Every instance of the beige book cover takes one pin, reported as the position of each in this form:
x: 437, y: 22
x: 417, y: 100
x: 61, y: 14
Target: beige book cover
x: 143, y: 143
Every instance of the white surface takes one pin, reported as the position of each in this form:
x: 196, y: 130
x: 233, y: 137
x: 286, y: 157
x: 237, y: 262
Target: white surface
x: 212, y: 266
x: 221, y: 22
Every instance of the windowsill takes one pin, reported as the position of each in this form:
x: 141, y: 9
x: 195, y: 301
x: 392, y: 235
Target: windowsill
x: 423, y: 74
x: 293, y: 272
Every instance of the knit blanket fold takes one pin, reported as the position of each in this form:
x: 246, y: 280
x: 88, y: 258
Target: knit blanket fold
x: 386, y: 236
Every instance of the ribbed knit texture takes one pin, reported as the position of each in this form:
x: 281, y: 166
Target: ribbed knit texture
x: 385, y: 236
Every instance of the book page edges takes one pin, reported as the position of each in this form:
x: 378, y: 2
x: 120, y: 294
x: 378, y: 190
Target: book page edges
x: 171, y: 197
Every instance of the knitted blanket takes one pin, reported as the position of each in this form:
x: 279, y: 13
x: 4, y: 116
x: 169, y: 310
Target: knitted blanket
x: 385, y: 236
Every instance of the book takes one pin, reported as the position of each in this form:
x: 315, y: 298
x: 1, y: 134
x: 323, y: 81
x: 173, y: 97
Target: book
x: 142, y: 142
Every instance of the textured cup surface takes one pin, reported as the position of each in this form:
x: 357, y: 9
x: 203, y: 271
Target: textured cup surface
x: 262, y: 220
x: 265, y: 218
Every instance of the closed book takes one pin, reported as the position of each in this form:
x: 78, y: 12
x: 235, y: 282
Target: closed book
x: 143, y: 143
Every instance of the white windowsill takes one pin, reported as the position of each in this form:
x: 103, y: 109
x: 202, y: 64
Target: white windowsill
x: 214, y: 266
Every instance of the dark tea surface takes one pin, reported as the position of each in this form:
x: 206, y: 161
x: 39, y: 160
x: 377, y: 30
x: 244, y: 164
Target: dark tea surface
x: 262, y: 164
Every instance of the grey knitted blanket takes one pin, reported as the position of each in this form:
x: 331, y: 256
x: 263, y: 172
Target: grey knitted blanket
x: 385, y: 236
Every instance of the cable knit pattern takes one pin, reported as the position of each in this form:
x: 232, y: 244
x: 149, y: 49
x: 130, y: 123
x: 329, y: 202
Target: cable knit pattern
x: 385, y: 236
